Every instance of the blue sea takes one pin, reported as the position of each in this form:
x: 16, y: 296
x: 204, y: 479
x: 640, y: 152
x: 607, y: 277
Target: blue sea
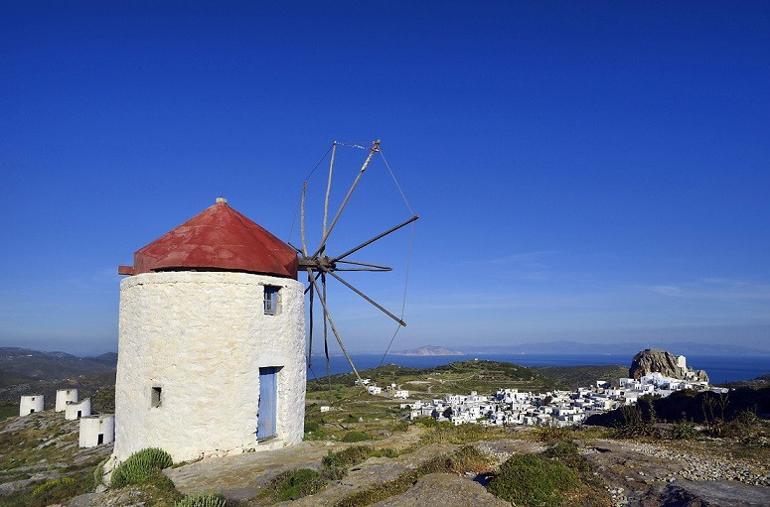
x: 719, y: 368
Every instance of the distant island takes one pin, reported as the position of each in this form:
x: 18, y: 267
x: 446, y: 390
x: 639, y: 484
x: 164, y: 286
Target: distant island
x: 428, y: 350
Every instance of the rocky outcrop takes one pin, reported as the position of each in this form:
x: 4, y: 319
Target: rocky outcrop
x: 450, y: 488
x: 665, y: 363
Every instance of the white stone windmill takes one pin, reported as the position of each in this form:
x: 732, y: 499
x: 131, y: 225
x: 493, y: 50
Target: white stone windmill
x: 212, y: 334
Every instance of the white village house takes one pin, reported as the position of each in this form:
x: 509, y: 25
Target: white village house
x: 211, y: 341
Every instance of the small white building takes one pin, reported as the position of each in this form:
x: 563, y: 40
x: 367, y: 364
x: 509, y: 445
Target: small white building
x: 374, y: 390
x: 64, y: 396
x: 76, y: 410
x: 681, y: 362
x: 96, y: 430
x: 401, y: 394
x: 31, y: 404
x: 325, y: 408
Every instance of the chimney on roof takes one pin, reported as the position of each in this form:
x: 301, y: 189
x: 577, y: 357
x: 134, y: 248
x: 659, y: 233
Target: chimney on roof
x: 221, y: 200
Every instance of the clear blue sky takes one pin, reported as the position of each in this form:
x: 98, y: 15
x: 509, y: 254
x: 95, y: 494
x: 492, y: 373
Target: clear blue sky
x: 585, y: 171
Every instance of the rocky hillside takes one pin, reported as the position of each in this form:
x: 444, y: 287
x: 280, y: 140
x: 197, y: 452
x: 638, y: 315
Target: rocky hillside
x: 25, y: 371
x: 661, y: 361
x: 26, y: 365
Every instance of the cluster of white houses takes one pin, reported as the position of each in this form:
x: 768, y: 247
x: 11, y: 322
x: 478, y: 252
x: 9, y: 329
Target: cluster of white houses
x: 94, y: 429
x: 392, y: 388
x: 509, y: 407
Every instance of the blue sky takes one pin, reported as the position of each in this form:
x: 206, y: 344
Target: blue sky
x: 585, y: 171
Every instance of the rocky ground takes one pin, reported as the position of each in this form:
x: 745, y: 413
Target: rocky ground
x: 42, y: 449
x: 634, y: 473
x: 668, y: 472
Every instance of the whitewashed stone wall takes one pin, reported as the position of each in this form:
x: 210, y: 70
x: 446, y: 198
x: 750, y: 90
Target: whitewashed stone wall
x: 72, y: 408
x: 63, y: 396
x: 32, y: 403
x: 93, y: 426
x: 202, y: 337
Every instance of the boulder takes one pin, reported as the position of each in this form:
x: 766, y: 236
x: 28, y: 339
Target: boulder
x: 665, y: 363
x: 444, y: 489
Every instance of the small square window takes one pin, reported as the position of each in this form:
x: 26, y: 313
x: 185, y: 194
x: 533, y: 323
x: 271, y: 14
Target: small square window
x: 155, y: 398
x: 272, y: 299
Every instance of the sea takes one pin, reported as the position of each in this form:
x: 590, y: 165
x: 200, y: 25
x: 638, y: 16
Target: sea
x: 720, y: 369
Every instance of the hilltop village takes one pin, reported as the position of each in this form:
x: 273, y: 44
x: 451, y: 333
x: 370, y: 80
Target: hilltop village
x: 509, y: 407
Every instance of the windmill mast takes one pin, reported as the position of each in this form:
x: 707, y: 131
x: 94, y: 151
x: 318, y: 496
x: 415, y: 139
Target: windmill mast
x: 319, y: 264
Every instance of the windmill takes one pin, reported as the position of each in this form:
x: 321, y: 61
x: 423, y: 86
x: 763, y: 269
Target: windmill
x: 321, y: 266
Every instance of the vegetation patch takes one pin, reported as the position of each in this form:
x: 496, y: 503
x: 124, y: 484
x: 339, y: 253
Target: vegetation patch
x: 531, y: 479
x: 683, y: 430
x: 293, y: 485
x: 445, y: 432
x: 142, y: 467
x: 467, y: 459
x: 637, y: 420
x: 560, y: 475
x: 356, y: 436
x: 50, y: 492
x: 204, y: 500
x: 8, y: 409
x: 352, y: 456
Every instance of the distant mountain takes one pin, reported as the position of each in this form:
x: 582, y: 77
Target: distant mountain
x: 25, y: 371
x: 428, y: 350
x: 19, y: 364
x: 108, y: 358
x: 615, y: 348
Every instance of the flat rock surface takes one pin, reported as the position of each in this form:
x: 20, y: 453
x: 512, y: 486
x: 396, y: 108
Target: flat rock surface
x: 240, y: 477
x: 677, y: 474
x: 445, y: 489
x: 501, y: 450
x: 373, y: 471
x: 711, y: 493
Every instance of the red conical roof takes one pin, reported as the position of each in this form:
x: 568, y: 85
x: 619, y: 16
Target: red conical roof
x: 218, y: 238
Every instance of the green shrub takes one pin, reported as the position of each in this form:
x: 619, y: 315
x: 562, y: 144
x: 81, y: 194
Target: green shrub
x: 562, y: 451
x: 140, y: 467
x: 56, y: 489
x: 208, y: 500
x: 447, y: 433
x: 466, y: 459
x: 334, y: 465
x: 294, y: 484
x: 634, y: 423
x: 534, y: 480
x: 551, y: 434
x: 683, y: 430
x: 356, y: 436
x: 348, y: 457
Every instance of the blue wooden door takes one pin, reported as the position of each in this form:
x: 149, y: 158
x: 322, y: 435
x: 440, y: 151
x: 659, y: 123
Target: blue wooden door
x: 267, y: 403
